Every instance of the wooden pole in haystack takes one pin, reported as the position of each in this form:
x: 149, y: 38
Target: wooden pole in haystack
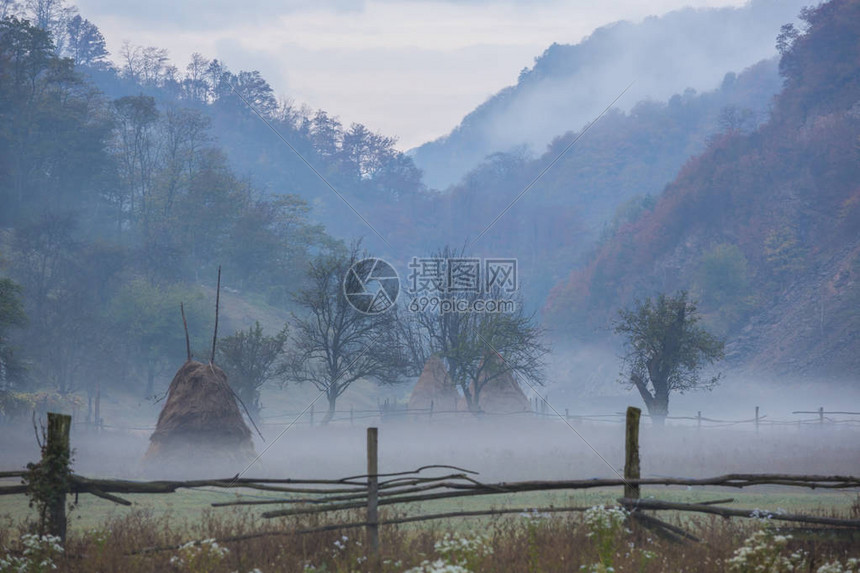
x: 187, y: 339
x: 631, y: 452
x: 57, y: 455
x: 373, y: 492
x: 217, y: 305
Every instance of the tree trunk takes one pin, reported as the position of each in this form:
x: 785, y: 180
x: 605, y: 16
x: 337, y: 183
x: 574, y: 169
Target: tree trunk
x: 657, y: 403
x: 332, y: 402
x: 660, y: 408
x: 475, y: 406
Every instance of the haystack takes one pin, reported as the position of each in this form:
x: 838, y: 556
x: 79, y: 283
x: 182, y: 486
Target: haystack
x: 501, y: 394
x: 434, y: 387
x: 200, y: 422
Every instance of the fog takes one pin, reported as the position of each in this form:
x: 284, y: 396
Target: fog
x: 569, y: 85
x: 511, y: 447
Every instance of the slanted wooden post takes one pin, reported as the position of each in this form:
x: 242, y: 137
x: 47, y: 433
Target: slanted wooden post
x: 756, y: 418
x: 821, y: 414
x: 373, y: 492
x: 57, y: 448
x: 631, y: 452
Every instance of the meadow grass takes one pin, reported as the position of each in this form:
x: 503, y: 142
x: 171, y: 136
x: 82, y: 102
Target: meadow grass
x: 105, y: 537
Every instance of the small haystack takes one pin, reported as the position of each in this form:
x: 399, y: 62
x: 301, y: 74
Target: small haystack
x: 434, y: 386
x: 501, y: 394
x: 200, y: 421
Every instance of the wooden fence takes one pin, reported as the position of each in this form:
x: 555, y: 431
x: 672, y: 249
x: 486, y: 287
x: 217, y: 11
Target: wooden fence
x: 372, y: 490
x: 390, y: 411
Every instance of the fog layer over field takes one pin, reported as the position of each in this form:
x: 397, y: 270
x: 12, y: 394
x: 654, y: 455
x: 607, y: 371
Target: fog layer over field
x: 516, y: 447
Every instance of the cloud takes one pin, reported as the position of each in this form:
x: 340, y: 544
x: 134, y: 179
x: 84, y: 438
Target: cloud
x: 411, y: 68
x: 208, y: 14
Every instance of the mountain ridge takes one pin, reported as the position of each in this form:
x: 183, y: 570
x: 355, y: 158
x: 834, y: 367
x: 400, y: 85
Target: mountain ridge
x: 570, y: 84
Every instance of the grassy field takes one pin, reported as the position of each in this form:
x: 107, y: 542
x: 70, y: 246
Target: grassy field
x: 106, y: 538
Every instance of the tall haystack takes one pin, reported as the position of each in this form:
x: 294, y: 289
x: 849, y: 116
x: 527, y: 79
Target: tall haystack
x: 434, y: 386
x: 501, y: 394
x: 200, y: 421
x: 200, y: 426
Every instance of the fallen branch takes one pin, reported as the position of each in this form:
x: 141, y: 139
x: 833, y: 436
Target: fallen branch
x: 656, y: 505
x: 402, y: 488
x: 663, y: 529
x: 98, y: 493
x: 730, y: 480
x: 170, y: 486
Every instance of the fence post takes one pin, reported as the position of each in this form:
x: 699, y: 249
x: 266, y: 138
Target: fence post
x: 631, y: 452
x: 312, y: 415
x: 373, y: 492
x: 699, y: 419
x: 431, y: 409
x: 566, y: 414
x: 58, y: 448
x: 351, y: 414
x: 756, y: 418
x: 821, y: 414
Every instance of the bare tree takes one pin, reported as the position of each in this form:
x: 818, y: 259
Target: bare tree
x: 334, y: 344
x: 477, y: 346
x: 194, y: 86
x: 52, y: 16
x: 9, y: 8
x: 86, y: 45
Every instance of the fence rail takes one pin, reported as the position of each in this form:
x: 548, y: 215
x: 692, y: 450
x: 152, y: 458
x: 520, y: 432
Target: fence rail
x: 393, y: 412
x: 371, y: 490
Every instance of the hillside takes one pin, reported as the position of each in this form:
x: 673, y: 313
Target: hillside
x: 762, y: 227
x: 609, y: 175
x: 570, y: 84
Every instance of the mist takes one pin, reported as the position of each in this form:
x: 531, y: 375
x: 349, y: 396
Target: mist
x: 570, y: 85
x: 525, y: 446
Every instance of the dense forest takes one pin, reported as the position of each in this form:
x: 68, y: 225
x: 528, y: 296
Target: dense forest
x: 115, y: 209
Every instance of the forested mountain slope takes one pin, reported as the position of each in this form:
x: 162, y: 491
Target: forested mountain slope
x: 763, y: 227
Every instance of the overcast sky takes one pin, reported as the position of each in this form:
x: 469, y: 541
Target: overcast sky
x: 410, y: 68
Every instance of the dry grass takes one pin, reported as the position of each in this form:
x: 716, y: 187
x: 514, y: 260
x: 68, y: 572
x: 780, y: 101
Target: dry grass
x: 515, y: 543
